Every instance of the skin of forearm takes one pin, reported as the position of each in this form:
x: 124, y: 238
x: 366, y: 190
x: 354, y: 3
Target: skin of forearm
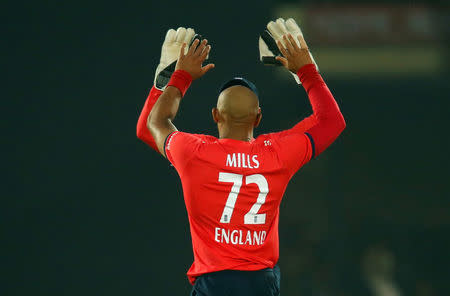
x: 159, y: 120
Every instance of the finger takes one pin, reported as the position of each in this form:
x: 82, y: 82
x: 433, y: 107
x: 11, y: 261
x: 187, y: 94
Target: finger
x: 293, y: 42
x: 193, y: 47
x: 181, y: 33
x: 171, y: 35
x: 293, y: 28
x: 281, y: 26
x: 282, y: 60
x: 207, y: 68
x: 273, y: 29
x: 288, y: 44
x: 282, y: 49
x: 302, y: 41
x: 199, y: 50
x: 183, y: 46
x: 189, y: 35
x: 205, y: 52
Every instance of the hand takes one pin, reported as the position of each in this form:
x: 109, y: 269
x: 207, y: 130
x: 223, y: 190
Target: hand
x: 294, y: 57
x: 169, y: 54
x: 192, y: 61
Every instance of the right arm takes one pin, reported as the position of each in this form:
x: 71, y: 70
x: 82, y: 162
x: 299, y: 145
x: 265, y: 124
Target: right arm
x: 189, y: 67
x: 327, y: 122
x: 169, y: 54
x: 142, y: 131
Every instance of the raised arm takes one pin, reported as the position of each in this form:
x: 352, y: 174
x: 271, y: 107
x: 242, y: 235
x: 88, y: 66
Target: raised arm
x: 188, y: 68
x: 327, y: 122
x: 142, y: 131
x: 169, y: 54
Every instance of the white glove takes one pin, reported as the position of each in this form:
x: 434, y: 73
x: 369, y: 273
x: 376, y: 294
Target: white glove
x: 268, y: 48
x: 170, y: 52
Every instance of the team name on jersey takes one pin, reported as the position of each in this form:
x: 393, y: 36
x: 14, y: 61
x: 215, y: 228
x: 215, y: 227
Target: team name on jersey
x: 242, y: 160
x: 239, y: 237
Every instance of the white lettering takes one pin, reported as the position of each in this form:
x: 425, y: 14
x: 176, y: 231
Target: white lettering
x: 225, y: 236
x: 234, y: 240
x: 231, y: 161
x: 239, y: 237
x: 255, y: 161
x: 263, y: 236
x: 242, y: 160
x: 216, y: 236
x: 256, y: 238
x: 248, y: 240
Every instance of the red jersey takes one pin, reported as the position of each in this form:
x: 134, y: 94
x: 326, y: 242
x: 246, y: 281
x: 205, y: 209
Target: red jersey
x: 232, y: 191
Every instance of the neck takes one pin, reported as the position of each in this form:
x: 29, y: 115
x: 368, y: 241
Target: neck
x: 241, y: 133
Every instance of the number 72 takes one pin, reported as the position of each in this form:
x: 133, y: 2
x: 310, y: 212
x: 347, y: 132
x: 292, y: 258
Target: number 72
x: 252, y: 217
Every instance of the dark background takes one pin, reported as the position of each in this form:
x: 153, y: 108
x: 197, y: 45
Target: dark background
x: 90, y: 210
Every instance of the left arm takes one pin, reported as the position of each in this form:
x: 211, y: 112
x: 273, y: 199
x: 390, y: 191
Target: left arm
x: 189, y: 67
x: 327, y: 122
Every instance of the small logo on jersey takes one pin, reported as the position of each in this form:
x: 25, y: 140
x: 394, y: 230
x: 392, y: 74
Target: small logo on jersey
x: 242, y: 160
x: 170, y: 140
x: 267, y: 143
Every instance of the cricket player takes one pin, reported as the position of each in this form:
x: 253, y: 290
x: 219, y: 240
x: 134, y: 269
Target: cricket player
x: 233, y: 184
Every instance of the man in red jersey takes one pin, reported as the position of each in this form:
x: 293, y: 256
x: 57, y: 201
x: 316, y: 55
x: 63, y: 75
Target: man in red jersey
x: 233, y: 185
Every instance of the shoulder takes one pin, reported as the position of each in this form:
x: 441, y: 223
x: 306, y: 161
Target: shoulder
x: 284, y: 139
x: 266, y: 139
x: 181, y: 147
x: 207, y: 138
x: 178, y: 136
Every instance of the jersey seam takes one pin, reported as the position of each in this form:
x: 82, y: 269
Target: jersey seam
x: 165, y: 143
x: 313, y: 148
x: 189, y: 159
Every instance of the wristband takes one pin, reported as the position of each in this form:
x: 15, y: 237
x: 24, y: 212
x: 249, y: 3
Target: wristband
x: 308, y: 76
x: 181, y: 80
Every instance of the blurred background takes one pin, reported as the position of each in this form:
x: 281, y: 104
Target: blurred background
x: 87, y: 209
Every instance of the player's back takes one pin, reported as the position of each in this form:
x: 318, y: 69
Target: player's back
x: 232, y: 191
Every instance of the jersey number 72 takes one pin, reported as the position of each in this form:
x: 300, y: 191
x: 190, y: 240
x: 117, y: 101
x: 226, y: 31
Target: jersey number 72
x: 252, y: 217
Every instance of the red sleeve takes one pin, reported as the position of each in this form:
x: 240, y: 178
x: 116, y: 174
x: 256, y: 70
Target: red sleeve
x: 141, y: 130
x: 303, y: 125
x: 180, y: 147
x: 293, y: 148
x: 329, y: 122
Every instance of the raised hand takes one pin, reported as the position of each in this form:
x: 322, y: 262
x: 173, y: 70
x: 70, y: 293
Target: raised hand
x: 169, y: 54
x: 192, y: 61
x: 294, y: 56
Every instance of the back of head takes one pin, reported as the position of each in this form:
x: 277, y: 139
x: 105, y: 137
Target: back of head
x: 238, y: 102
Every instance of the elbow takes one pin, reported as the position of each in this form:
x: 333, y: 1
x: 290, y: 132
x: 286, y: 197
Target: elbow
x: 140, y: 129
x: 153, y: 124
x: 143, y: 127
x: 338, y: 123
x: 336, y: 120
x: 150, y: 125
x: 139, y: 132
x: 342, y: 123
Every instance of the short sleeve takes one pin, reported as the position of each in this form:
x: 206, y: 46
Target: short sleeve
x: 181, y: 147
x: 294, y: 149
